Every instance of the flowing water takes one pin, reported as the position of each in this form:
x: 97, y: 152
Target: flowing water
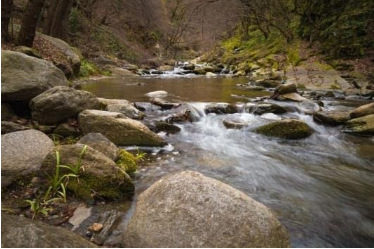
x: 321, y: 188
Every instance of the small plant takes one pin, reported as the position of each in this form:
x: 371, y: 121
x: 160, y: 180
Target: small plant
x: 37, y: 208
x: 129, y: 162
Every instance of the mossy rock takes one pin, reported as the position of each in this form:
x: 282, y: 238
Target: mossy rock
x: 99, y: 176
x: 287, y: 129
x: 361, y: 126
x: 127, y: 162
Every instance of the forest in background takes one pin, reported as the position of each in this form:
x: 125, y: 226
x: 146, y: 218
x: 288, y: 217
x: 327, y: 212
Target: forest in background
x: 151, y: 32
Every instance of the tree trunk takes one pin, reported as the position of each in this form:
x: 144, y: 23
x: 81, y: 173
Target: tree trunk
x: 57, y: 16
x: 6, y: 12
x: 29, y: 22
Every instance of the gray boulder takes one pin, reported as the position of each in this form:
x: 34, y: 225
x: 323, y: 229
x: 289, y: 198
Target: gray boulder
x: 71, y: 62
x: 24, y: 77
x: 285, y: 89
x: 100, y: 143
x: 262, y: 108
x: 363, y: 111
x: 331, y: 118
x: 127, y: 109
x: 189, y: 209
x: 59, y: 103
x: 100, y: 176
x: 20, y: 232
x: 8, y: 127
x: 22, y: 153
x: 118, y: 128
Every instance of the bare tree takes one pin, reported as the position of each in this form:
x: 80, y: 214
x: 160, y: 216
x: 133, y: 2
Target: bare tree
x: 29, y: 22
x: 6, y: 12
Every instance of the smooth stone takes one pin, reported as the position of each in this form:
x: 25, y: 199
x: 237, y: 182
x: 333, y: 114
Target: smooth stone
x: 360, y: 126
x: 8, y: 127
x: 331, y: 118
x: 157, y: 94
x: 287, y: 129
x: 363, y: 110
x: 100, y: 143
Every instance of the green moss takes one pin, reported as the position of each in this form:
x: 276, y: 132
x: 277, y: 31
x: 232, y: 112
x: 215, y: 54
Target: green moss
x: 287, y: 129
x: 89, y: 187
x: 335, y: 86
x: 127, y: 162
x: 323, y: 66
x: 88, y: 69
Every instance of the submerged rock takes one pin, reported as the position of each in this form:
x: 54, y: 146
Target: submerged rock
x: 118, y: 128
x: 220, y: 108
x: 22, y: 153
x: 288, y: 129
x: 24, y: 77
x: 189, y: 209
x: 331, y: 118
x: 100, y: 178
x: 59, y: 103
x: 360, y: 126
x: 363, y: 111
x: 20, y: 232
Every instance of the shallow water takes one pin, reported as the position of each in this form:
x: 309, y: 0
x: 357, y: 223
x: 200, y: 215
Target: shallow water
x: 321, y: 188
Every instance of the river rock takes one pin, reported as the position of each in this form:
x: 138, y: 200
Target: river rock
x: 6, y: 111
x: 165, y: 105
x: 22, y: 153
x: 66, y: 130
x: 331, y: 118
x: 20, y: 232
x: 166, y: 127
x: 100, y: 143
x: 363, y: 110
x: 189, y: 209
x: 267, y: 83
x: 184, y: 115
x: 157, y: 94
x: 199, y: 71
x: 234, y: 123
x: 288, y: 129
x: 189, y: 67
x: 59, y: 103
x: 209, y: 74
x: 8, y: 127
x: 285, y: 89
x: 71, y: 62
x: 220, y: 108
x: 165, y: 68
x: 255, y: 88
x: 28, y: 51
x: 24, y: 77
x: 291, y: 97
x: 118, y: 128
x: 360, y: 126
x: 100, y: 176
x: 127, y: 109
x: 262, y: 108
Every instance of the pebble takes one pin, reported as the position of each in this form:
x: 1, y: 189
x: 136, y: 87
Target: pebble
x: 95, y: 227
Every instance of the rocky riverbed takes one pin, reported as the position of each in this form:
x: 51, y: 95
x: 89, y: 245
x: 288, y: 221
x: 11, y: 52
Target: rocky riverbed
x: 280, y: 165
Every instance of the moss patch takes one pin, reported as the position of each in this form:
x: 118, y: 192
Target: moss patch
x: 127, y: 162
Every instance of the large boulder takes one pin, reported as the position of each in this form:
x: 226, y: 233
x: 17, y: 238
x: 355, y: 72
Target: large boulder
x: 189, y: 209
x: 24, y: 77
x: 331, y: 118
x: 100, y: 176
x: 70, y: 60
x: 287, y: 129
x: 122, y: 106
x: 22, y: 154
x: 59, y: 103
x: 363, y: 110
x: 361, y: 126
x: 118, y: 128
x: 100, y: 143
x: 220, y: 108
x: 20, y: 232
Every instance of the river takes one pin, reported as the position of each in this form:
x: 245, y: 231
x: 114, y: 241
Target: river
x: 321, y: 188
